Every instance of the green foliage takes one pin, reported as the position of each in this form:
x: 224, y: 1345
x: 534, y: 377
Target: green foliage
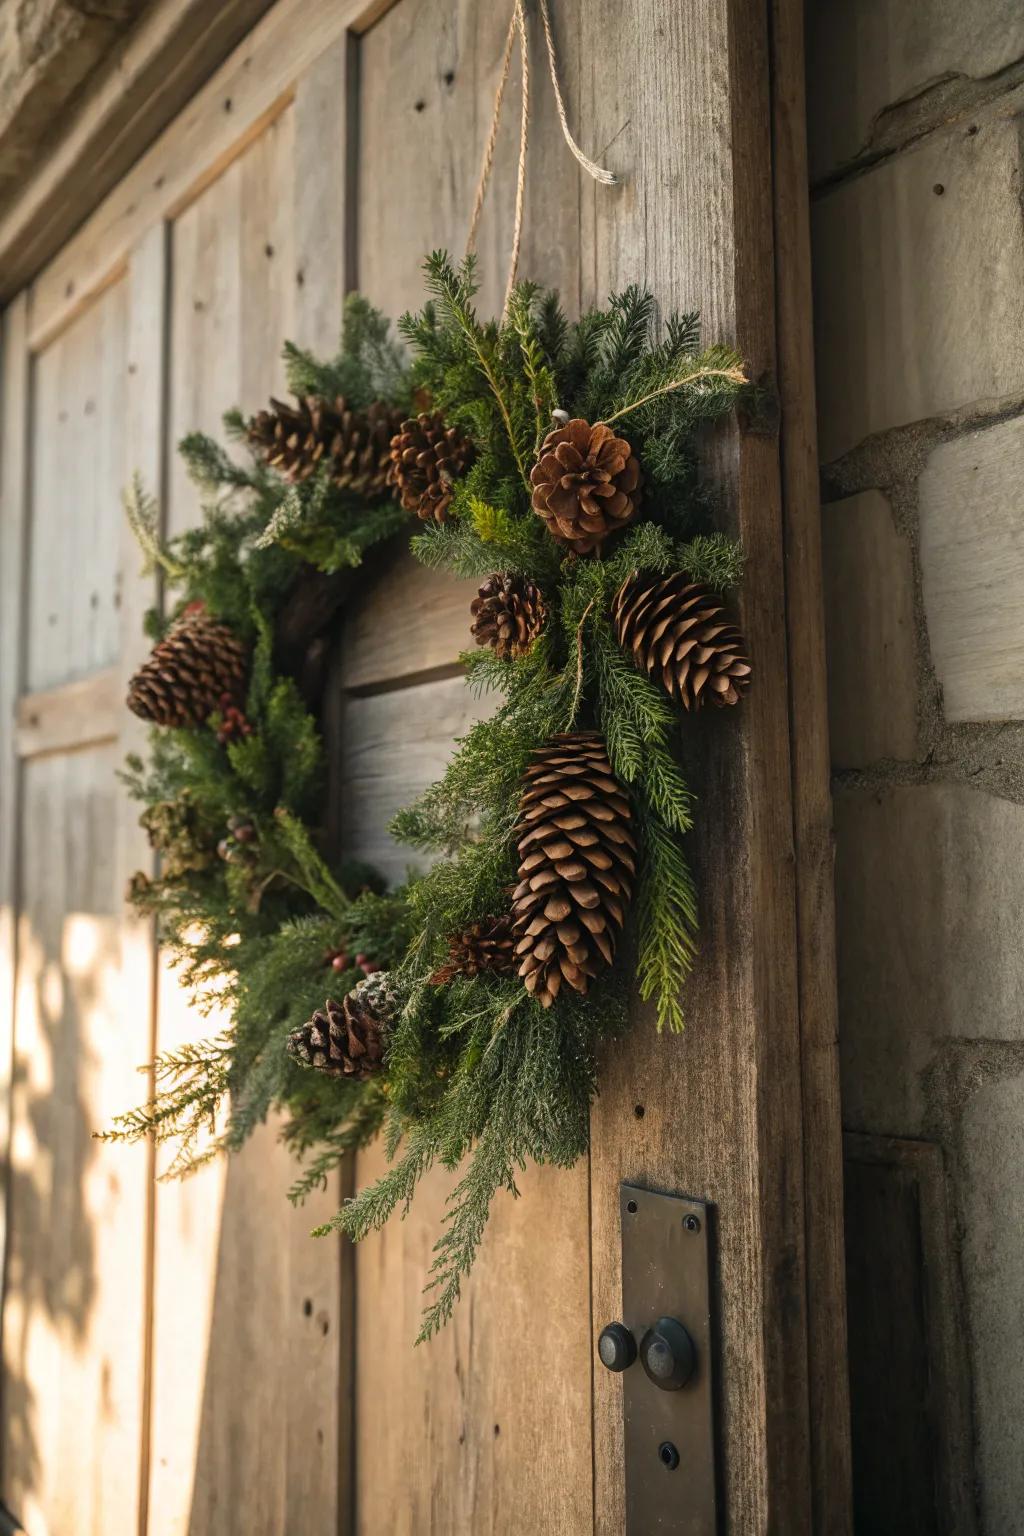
x: 478, y: 1076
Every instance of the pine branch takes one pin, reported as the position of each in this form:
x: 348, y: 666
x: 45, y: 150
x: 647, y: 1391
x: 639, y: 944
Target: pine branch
x: 143, y: 513
x: 697, y: 376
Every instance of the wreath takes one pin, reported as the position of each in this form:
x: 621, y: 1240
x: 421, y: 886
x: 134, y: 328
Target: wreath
x: 462, y: 1014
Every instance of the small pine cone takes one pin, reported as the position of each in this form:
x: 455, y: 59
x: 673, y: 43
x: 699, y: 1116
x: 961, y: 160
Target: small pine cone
x: 677, y: 631
x: 586, y: 484
x: 347, y: 1039
x: 577, y: 862
x: 196, y: 666
x: 484, y: 946
x: 508, y: 614
x: 426, y: 456
x: 354, y: 445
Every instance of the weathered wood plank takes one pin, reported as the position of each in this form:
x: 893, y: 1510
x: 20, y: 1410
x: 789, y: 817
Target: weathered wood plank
x: 74, y: 1300
x: 139, y: 590
x: 250, y: 87
x: 393, y: 745
x: 78, y: 471
x: 423, y: 614
x: 75, y: 714
x: 245, y: 1353
x: 14, y: 424
x: 150, y: 76
x: 475, y: 1437
x: 812, y: 798
x: 682, y: 102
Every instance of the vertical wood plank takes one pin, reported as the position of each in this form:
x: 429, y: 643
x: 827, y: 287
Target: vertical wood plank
x: 77, y: 471
x: 323, y: 219
x: 137, y: 591
x: 682, y: 102
x: 812, y: 799
x: 246, y: 1306
x: 474, y: 1437
x: 73, y: 1303
x: 14, y: 423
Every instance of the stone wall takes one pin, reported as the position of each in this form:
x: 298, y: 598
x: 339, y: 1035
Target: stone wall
x: 916, y: 123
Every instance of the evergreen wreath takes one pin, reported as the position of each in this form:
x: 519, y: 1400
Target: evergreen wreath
x: 557, y: 463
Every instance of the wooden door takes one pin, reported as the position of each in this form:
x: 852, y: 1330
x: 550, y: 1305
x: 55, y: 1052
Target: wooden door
x: 233, y: 1376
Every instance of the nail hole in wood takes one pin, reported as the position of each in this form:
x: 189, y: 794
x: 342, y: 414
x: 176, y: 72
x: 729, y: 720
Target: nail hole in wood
x: 639, y: 1111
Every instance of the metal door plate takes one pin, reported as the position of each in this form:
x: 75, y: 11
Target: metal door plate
x: 666, y: 1273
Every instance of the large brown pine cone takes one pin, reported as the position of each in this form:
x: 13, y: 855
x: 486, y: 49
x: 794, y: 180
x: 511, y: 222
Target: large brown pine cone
x: 347, y: 1039
x: 677, y: 631
x: 484, y: 946
x: 577, y: 862
x: 426, y: 457
x: 354, y: 445
x: 586, y: 484
x: 508, y: 614
x: 200, y: 665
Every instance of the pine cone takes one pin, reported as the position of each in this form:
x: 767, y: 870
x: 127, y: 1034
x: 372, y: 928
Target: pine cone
x: 577, y: 860
x: 678, y: 632
x: 508, y: 614
x: 484, y: 946
x: 426, y: 456
x: 586, y: 484
x: 355, y: 445
x: 196, y: 666
x: 346, y: 1039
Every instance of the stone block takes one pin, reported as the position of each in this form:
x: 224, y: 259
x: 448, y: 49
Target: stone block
x: 863, y: 57
x: 972, y: 567
x: 869, y: 628
x: 930, y: 940
x: 919, y: 286
x: 992, y: 1209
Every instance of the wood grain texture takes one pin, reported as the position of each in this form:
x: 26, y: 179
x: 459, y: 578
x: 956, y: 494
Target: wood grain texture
x: 243, y: 96
x: 148, y: 76
x: 424, y: 615
x: 476, y: 1437
x: 245, y: 1354
x: 78, y: 473
x: 813, y: 837
x: 71, y: 715
x: 147, y: 278
x: 393, y: 744
x: 75, y: 1284
x: 693, y: 220
x: 14, y: 423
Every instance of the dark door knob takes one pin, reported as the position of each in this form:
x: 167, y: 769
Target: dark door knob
x: 616, y: 1347
x: 667, y: 1354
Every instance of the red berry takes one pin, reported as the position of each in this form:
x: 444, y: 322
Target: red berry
x: 340, y: 962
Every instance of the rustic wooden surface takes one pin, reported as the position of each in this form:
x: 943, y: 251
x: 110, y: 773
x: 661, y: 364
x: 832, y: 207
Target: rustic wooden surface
x: 74, y: 714
x: 473, y: 1435
x: 245, y: 1354
x: 722, y: 1113
x: 812, y: 797
x: 14, y: 400
x: 154, y: 71
x: 74, y: 1301
x: 283, y: 182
